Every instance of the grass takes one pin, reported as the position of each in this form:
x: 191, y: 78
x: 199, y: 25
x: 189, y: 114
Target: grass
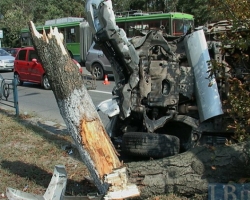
x: 28, y: 156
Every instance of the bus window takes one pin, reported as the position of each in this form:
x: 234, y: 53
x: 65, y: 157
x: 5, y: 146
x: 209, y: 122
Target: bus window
x: 61, y: 30
x: 180, y: 27
x: 121, y: 25
x: 167, y: 27
x: 137, y: 28
x: 130, y: 29
x: 26, y: 39
x: 70, y: 34
x: 145, y: 27
x: 190, y: 23
x: 152, y: 24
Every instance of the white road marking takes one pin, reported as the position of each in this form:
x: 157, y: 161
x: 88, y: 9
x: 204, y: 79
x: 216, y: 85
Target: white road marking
x: 99, y: 91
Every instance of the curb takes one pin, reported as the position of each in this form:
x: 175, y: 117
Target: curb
x: 53, y: 127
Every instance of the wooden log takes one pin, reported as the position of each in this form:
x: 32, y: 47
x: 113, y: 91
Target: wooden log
x: 190, y: 173
x: 78, y: 110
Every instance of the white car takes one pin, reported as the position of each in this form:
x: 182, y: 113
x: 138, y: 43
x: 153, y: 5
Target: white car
x: 6, y: 60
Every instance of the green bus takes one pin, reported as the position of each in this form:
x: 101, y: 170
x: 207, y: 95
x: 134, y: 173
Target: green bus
x: 78, y: 37
x: 172, y: 24
x: 69, y: 27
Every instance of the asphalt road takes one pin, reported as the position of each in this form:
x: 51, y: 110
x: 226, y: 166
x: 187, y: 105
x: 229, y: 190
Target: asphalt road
x: 35, y: 101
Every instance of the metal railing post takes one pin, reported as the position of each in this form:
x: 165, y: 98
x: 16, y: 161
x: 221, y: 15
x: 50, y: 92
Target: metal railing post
x: 15, y: 94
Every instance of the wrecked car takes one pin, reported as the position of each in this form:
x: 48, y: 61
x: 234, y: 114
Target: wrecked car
x: 165, y: 102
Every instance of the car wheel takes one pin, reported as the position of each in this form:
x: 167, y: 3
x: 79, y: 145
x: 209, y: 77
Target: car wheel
x: 97, y: 71
x: 19, y: 82
x: 150, y: 144
x: 45, y: 83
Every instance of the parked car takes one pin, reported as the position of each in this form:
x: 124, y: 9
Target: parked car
x: 12, y: 51
x: 28, y: 68
x: 6, y: 60
x: 97, y: 63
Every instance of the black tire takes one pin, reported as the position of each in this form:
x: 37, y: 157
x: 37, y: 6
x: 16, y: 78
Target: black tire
x: 150, y: 144
x: 19, y: 82
x: 45, y: 83
x: 97, y: 71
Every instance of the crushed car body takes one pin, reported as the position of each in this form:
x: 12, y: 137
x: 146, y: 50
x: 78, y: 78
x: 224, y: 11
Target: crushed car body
x: 165, y: 98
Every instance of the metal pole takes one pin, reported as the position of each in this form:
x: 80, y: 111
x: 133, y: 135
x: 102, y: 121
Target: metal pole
x: 1, y: 89
x: 15, y: 93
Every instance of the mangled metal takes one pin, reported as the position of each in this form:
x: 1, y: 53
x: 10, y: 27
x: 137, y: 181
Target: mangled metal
x: 160, y: 81
x: 206, y: 90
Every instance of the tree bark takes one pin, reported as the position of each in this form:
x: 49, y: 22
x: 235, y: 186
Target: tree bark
x: 77, y: 109
x: 190, y: 173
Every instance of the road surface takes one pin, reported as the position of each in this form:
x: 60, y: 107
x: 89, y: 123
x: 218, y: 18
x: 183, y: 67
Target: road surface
x: 38, y: 102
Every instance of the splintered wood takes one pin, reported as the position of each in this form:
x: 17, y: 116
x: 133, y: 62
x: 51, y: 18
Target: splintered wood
x: 94, y: 139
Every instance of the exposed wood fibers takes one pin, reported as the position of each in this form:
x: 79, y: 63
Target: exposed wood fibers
x: 98, y: 146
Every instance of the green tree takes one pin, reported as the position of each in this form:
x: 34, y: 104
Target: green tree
x: 154, y: 5
x: 199, y: 8
x: 149, y: 5
x: 235, y: 43
x: 16, y: 15
x: 14, y: 18
x: 119, y: 5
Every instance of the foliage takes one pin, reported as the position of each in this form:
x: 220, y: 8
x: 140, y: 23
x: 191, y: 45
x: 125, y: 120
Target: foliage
x: 119, y: 6
x: 10, y: 25
x: 16, y: 14
x: 199, y: 8
x: 154, y: 5
x: 235, y: 43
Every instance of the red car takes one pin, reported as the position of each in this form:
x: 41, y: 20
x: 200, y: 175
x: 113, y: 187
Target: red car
x: 27, y: 68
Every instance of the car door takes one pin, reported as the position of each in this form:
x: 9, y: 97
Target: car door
x: 20, y: 64
x: 35, y: 71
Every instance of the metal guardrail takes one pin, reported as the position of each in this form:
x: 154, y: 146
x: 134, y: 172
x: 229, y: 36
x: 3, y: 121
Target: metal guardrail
x: 89, y: 82
x: 6, y: 86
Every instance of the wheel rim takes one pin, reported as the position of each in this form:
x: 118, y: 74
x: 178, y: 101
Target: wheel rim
x: 97, y: 71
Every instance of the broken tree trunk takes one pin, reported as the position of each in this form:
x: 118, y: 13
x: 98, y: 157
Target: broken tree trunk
x: 79, y: 113
x: 191, y: 172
